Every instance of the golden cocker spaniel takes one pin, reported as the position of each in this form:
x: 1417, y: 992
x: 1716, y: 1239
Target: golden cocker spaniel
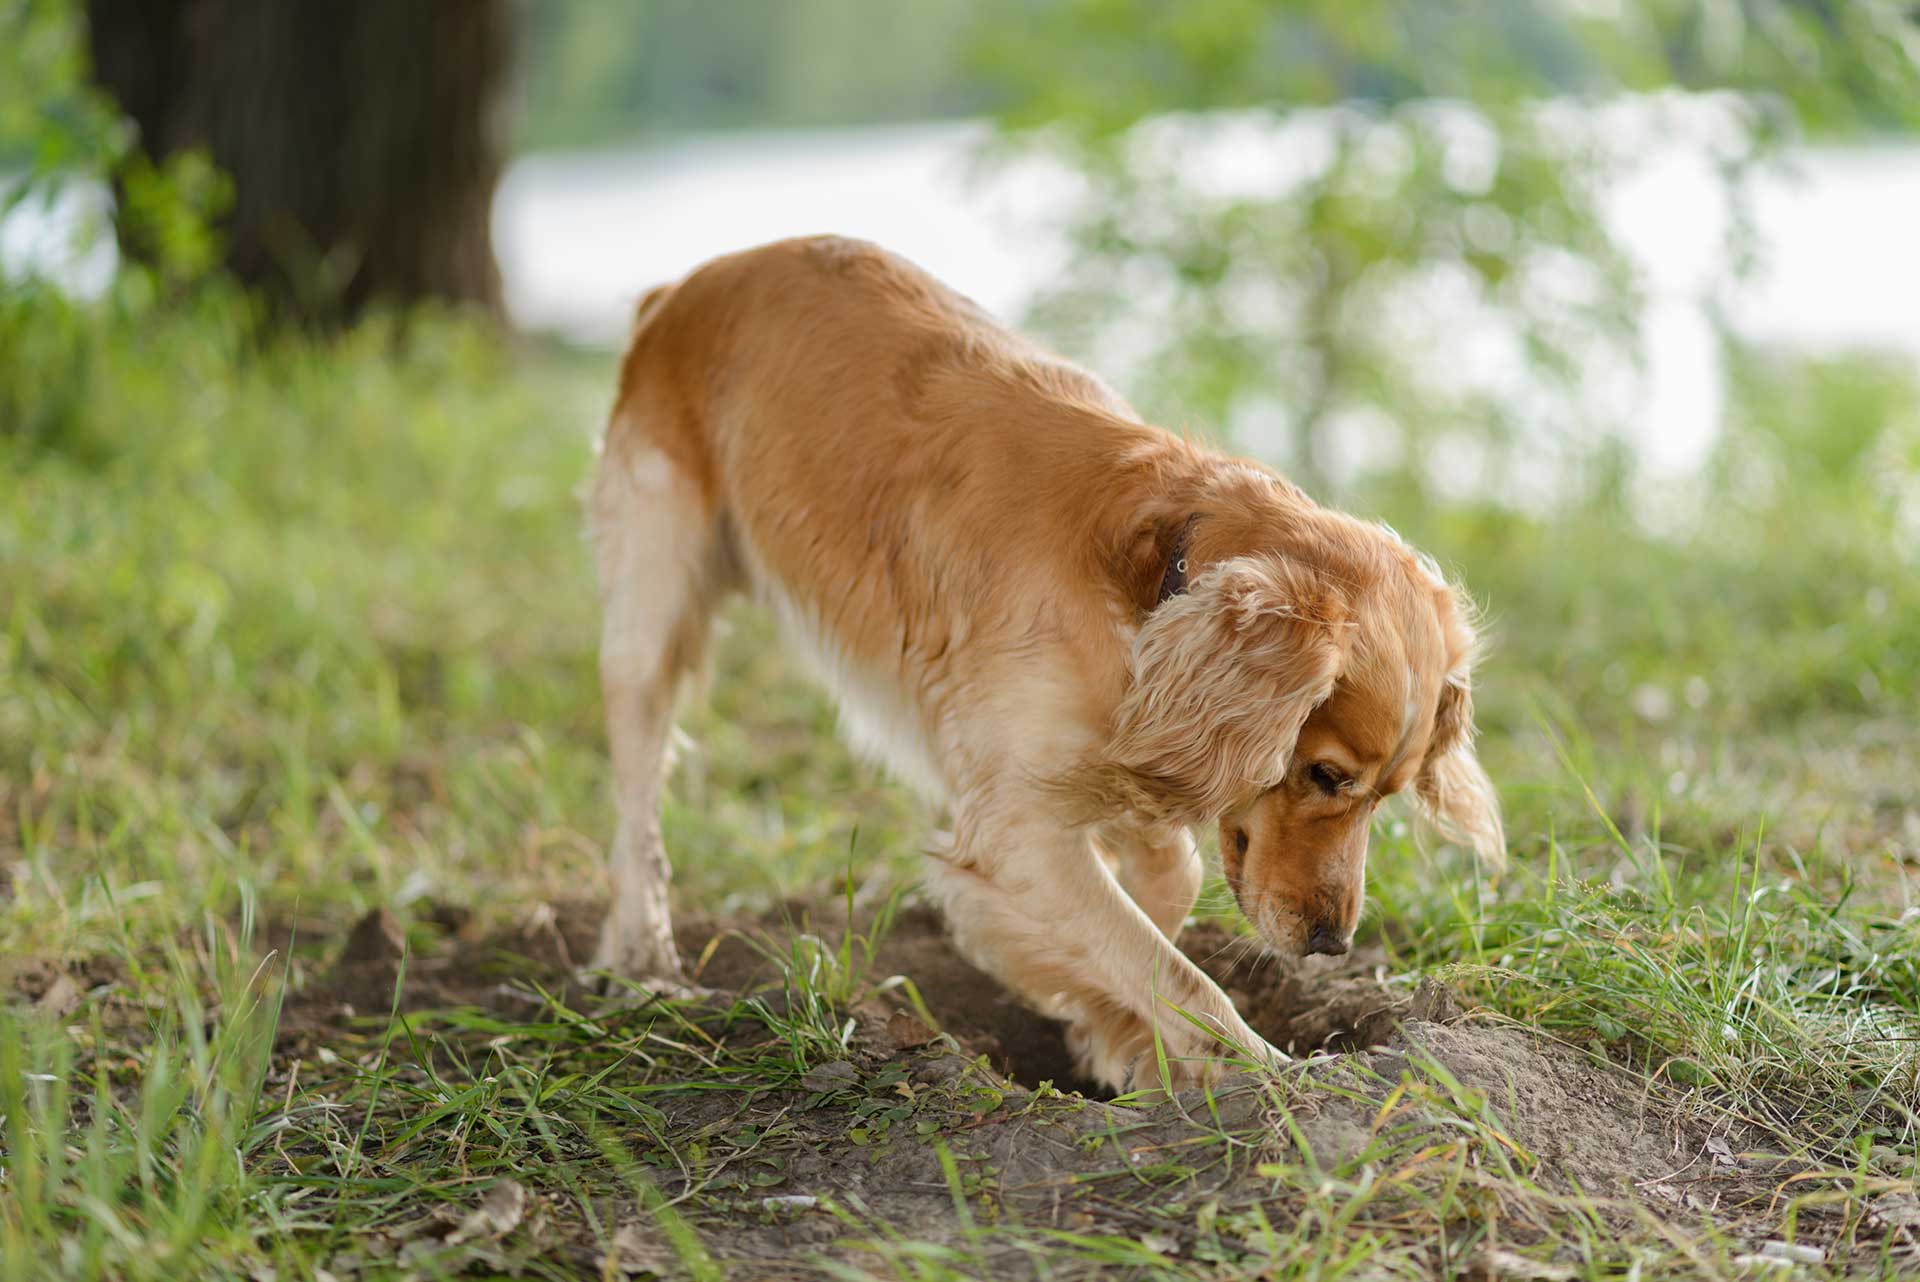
x: 1081, y: 635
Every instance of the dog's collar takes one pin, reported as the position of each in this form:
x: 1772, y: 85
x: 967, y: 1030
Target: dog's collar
x: 1174, y: 581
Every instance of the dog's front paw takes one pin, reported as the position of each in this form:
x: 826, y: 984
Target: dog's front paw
x: 1119, y: 1051
x: 1107, y: 1047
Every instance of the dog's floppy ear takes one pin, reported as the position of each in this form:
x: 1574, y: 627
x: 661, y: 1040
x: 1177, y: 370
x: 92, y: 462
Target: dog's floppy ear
x: 1452, y: 790
x: 1143, y: 565
x: 1224, y: 674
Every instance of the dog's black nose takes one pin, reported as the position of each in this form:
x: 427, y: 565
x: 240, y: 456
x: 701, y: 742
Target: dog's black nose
x: 1326, y: 940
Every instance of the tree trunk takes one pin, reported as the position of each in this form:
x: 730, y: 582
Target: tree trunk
x: 360, y: 136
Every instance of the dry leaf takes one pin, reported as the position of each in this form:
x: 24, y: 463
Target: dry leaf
x: 907, y: 1032
x: 637, y: 1248
x: 498, y: 1214
x: 62, y: 995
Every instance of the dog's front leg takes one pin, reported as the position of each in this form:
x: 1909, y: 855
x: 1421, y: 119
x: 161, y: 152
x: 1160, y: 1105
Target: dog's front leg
x: 1160, y: 870
x: 1035, y: 905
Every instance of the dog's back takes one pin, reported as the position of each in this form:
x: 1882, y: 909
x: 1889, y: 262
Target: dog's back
x: 878, y: 447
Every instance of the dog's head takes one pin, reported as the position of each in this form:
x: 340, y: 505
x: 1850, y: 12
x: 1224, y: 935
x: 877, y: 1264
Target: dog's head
x: 1285, y: 692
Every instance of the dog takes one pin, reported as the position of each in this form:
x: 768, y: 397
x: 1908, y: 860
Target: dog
x: 1082, y: 636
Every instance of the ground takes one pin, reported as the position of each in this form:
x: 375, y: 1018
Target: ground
x: 302, y: 804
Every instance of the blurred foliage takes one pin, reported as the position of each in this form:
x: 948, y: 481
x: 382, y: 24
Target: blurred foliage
x: 599, y: 73
x: 50, y: 117
x: 1340, y: 226
x: 1773, y: 589
x: 58, y: 135
x: 1098, y: 66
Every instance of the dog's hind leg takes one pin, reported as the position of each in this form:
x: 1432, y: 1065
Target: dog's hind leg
x: 663, y: 565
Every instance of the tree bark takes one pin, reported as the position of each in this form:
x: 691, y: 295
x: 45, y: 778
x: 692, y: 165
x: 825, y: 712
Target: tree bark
x: 361, y: 136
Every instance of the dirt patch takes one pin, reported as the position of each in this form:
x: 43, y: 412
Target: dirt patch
x: 1409, y: 1084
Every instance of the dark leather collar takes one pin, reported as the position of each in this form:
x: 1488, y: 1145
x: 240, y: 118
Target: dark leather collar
x: 1174, y: 581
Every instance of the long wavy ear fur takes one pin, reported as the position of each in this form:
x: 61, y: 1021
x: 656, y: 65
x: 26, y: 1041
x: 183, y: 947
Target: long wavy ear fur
x: 1223, y: 678
x: 1452, y: 790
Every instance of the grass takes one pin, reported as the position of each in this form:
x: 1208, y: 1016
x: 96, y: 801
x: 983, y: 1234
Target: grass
x: 293, y: 633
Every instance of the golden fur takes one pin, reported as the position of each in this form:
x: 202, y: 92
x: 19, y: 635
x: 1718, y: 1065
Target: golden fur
x: 967, y: 538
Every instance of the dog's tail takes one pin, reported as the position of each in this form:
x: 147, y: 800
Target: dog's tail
x: 649, y: 304
x: 653, y: 404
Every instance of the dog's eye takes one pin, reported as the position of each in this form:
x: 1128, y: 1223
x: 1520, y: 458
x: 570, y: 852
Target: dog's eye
x: 1327, y: 779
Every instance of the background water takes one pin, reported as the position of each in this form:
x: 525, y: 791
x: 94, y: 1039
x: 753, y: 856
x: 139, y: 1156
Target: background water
x: 581, y: 236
